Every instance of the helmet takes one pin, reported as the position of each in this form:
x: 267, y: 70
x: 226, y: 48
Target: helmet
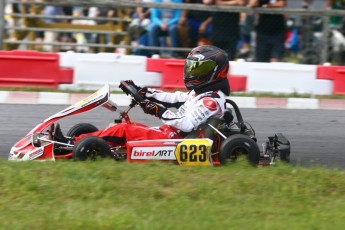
x: 204, y: 65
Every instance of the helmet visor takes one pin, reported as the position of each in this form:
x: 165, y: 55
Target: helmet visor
x: 197, y: 68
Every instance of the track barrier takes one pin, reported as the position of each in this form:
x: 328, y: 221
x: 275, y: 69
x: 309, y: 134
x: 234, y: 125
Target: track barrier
x: 171, y: 70
x: 32, y: 69
x: 90, y: 71
x: 172, y: 74
x: 334, y: 73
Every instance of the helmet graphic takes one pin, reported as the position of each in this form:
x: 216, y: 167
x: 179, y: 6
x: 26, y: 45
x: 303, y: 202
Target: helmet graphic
x: 204, y: 65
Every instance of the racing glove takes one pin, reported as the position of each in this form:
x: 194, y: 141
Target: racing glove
x: 141, y: 91
x: 152, y: 108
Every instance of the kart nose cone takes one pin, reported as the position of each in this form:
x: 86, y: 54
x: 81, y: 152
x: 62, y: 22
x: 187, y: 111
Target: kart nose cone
x: 13, y: 155
x: 17, y: 151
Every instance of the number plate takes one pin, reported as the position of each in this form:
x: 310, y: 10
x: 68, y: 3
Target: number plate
x: 193, y: 152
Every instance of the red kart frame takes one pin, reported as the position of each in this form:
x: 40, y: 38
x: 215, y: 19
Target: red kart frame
x: 214, y: 143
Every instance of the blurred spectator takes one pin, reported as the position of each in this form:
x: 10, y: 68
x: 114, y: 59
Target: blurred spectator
x: 138, y: 28
x: 164, y: 24
x: 67, y: 39
x: 21, y: 7
x: 48, y: 36
x: 336, y: 49
x: 226, y: 27
x: 52, y: 11
x: 306, y: 3
x: 336, y: 21
x: 195, y: 26
x: 247, y: 27
x: 270, y: 32
x: 90, y: 12
x: 110, y: 13
x: 311, y: 29
x: 15, y: 8
x: 292, y: 37
x: 140, y: 21
x: 67, y: 10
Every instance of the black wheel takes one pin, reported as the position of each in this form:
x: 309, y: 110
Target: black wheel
x: 310, y: 56
x: 91, y: 147
x: 236, y: 145
x: 81, y: 128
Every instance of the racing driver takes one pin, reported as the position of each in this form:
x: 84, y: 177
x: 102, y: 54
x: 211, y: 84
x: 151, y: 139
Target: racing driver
x: 205, y: 77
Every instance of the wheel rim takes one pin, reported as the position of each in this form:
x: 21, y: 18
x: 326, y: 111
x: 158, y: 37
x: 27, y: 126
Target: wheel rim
x: 237, y: 152
x: 91, y: 152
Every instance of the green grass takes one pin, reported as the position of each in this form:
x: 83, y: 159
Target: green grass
x: 118, y: 195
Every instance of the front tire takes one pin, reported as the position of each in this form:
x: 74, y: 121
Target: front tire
x: 236, y: 145
x: 81, y: 128
x: 91, y: 147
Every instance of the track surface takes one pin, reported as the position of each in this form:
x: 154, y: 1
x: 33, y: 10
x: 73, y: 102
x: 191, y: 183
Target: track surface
x: 317, y: 136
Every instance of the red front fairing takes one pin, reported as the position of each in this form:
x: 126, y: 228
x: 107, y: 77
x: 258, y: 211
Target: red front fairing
x: 70, y: 111
x: 24, y: 150
x: 96, y: 99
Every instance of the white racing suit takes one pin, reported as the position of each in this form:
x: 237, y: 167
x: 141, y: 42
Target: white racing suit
x: 192, y: 110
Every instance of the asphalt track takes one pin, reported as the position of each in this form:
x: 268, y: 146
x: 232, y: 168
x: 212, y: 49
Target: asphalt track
x: 317, y: 136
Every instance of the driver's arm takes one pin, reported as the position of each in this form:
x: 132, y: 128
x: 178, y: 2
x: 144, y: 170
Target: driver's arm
x: 189, y: 118
x: 167, y: 99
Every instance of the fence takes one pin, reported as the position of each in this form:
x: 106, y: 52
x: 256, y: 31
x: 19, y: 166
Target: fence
x: 318, y: 41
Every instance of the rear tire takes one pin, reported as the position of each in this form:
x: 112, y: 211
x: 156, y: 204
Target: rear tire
x: 91, y: 147
x: 236, y: 145
x: 81, y: 128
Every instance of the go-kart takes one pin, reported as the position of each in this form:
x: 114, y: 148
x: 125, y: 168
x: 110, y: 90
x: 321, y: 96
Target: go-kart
x: 217, y: 142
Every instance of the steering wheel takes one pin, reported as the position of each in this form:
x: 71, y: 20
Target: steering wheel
x: 132, y: 91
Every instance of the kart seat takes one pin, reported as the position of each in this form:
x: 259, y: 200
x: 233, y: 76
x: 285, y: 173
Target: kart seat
x: 228, y: 117
x: 204, y: 130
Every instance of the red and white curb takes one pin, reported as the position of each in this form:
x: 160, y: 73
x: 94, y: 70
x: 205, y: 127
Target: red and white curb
x: 16, y: 97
